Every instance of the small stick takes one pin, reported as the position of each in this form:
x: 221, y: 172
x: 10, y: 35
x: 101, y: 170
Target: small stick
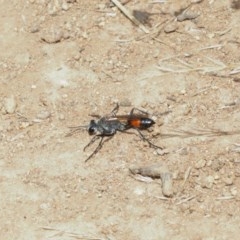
x: 141, y: 178
x: 130, y: 16
x: 235, y: 71
x: 185, y: 200
x: 22, y: 116
x: 161, y: 198
x: 71, y: 234
x: 159, y: 1
x: 225, y: 198
x: 155, y: 30
x: 186, y: 176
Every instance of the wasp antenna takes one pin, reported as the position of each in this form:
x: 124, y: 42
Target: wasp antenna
x: 76, y: 129
x: 95, y: 115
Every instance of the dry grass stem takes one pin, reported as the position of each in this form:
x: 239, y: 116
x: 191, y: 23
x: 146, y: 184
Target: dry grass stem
x: 185, y: 200
x: 225, y: 198
x: 70, y: 234
x: 141, y: 178
x: 161, y: 197
x: 155, y: 31
x: 210, y: 47
x: 186, y: 67
x: 191, y: 52
x: 207, y: 65
x: 186, y: 177
x: 130, y: 16
x: 159, y: 1
x: 235, y: 71
x: 197, y: 132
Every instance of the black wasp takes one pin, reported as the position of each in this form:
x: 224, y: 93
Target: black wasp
x: 108, y: 126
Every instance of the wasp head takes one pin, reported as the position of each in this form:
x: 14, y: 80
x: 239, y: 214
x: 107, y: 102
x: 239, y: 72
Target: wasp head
x: 92, y: 128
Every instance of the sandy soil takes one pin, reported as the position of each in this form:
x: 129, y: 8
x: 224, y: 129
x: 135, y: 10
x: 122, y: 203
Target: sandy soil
x: 62, y: 60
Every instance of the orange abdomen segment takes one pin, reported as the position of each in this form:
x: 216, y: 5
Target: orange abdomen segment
x: 135, y: 123
x: 141, y: 123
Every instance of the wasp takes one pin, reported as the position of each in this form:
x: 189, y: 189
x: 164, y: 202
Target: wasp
x: 107, y: 126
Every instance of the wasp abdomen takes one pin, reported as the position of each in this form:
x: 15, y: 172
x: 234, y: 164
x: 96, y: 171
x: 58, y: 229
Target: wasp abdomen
x: 141, y: 123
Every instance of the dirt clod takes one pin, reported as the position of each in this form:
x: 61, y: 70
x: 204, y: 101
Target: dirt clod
x: 158, y: 171
x: 10, y: 104
x: 44, y: 114
x: 52, y: 35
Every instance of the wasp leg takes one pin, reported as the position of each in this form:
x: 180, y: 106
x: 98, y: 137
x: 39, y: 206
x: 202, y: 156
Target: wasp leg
x: 96, y: 149
x: 72, y: 132
x: 115, y: 110
x: 95, y: 115
x: 147, y: 140
x: 100, y: 144
x: 91, y: 142
x: 139, y: 110
x: 112, y: 114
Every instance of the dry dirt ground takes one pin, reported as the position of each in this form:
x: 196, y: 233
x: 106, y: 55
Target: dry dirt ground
x: 61, y: 61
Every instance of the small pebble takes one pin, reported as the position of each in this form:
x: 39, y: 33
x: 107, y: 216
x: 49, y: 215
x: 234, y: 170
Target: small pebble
x: 176, y: 8
x: 216, y: 176
x: 101, y: 6
x: 10, y: 104
x: 217, y: 164
x: 52, y: 35
x: 77, y: 56
x: 156, y: 53
x: 207, y: 182
x: 226, y: 193
x: 53, y: 7
x: 24, y: 125
x: 45, y: 206
x: 237, y: 172
x: 187, y: 15
x: 139, y: 191
x: 44, y: 114
x: 184, y: 109
x: 61, y: 117
x: 161, y: 152
x: 171, y: 27
x: 228, y: 180
x: 234, y: 191
x: 184, y: 207
x: 200, y: 164
x: 209, y: 163
x: 34, y: 28
x: 52, y: 10
x: 65, y: 6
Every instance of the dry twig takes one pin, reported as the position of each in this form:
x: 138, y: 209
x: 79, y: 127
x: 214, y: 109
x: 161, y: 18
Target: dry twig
x: 70, y: 234
x: 185, y: 200
x: 186, y: 176
x: 225, y: 198
x: 130, y: 16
